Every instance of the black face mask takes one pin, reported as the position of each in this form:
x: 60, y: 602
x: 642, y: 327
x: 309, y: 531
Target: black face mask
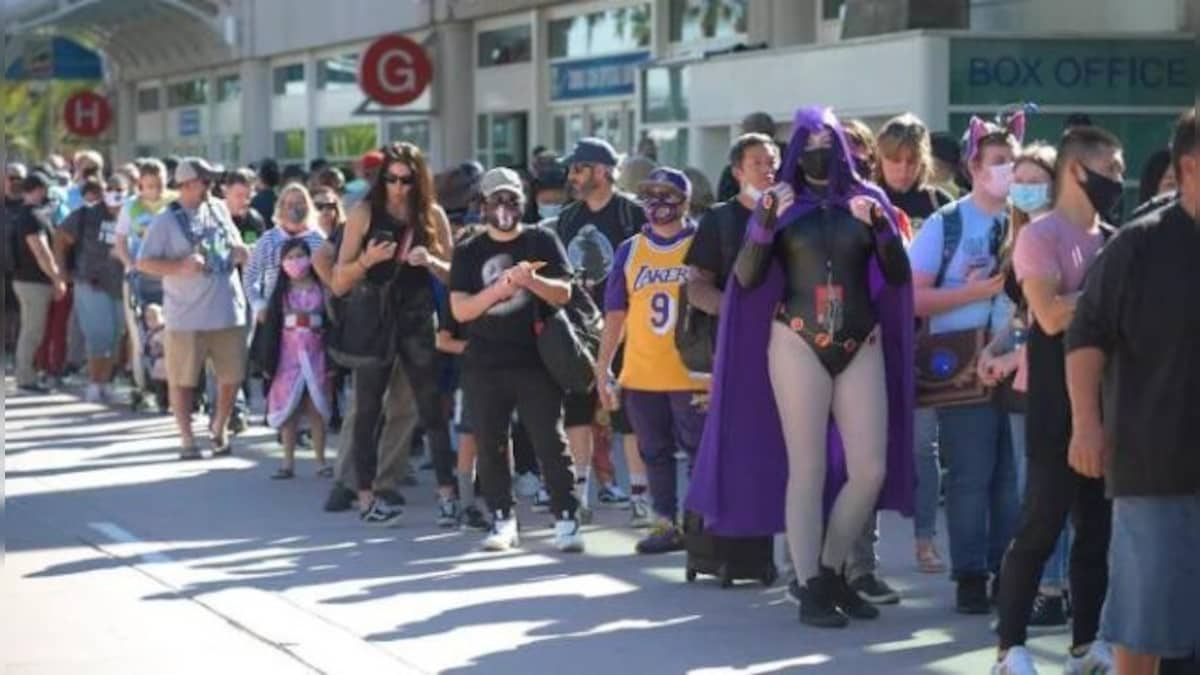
x: 863, y: 167
x: 815, y: 163
x: 1103, y: 192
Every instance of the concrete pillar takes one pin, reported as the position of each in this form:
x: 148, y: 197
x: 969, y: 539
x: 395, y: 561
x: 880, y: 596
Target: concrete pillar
x: 257, y: 139
x: 541, y: 122
x: 451, y: 129
x: 126, y: 129
x: 212, y: 140
x: 312, y: 147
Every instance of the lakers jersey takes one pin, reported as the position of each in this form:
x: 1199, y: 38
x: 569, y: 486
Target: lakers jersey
x: 654, y: 277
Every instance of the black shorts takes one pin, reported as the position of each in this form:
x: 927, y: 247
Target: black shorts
x: 579, y: 410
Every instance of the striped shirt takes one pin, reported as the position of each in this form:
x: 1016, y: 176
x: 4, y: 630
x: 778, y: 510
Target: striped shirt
x: 263, y: 269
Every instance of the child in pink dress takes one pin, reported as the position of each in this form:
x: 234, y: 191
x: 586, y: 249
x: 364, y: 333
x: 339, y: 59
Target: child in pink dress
x: 299, y: 380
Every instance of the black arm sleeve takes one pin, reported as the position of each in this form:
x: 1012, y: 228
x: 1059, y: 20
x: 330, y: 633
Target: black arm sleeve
x: 893, y: 259
x: 750, y: 268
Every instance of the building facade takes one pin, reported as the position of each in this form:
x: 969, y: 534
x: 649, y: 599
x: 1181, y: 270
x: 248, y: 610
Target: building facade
x: 511, y: 75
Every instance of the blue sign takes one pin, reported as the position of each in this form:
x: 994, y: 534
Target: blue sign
x: 189, y: 122
x: 593, y: 78
x: 56, y: 59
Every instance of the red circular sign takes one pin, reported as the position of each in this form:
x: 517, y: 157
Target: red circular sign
x: 87, y: 114
x: 394, y: 70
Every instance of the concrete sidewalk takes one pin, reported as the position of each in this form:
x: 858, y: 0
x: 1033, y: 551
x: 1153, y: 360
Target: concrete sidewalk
x: 121, y: 558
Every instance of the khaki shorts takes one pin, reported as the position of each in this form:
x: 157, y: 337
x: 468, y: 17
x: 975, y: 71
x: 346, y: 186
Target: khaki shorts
x: 187, y: 350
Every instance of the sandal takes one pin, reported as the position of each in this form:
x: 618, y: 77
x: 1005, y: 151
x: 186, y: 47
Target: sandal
x: 283, y: 474
x: 325, y: 472
x: 928, y: 559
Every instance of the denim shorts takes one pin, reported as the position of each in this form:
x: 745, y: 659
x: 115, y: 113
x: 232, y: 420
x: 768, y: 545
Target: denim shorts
x: 101, y: 319
x: 462, y: 424
x: 1154, y: 576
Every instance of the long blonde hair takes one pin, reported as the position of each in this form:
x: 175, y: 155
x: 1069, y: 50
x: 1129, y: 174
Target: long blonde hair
x: 905, y: 132
x: 311, y: 219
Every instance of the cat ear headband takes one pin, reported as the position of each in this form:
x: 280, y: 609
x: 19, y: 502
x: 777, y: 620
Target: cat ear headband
x: 979, y: 129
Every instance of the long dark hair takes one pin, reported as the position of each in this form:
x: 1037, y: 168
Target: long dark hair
x: 421, y: 194
x: 264, y: 349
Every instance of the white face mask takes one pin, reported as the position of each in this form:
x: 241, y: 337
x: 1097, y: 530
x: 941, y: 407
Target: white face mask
x: 752, y: 192
x: 999, y: 179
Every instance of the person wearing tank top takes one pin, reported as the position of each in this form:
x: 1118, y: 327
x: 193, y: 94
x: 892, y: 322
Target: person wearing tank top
x: 398, y: 234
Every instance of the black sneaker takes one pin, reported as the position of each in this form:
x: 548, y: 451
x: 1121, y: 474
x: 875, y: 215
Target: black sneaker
x: 817, y: 606
x: 794, y: 592
x: 190, y: 454
x: 473, y: 519
x: 972, y: 596
x: 341, y: 498
x: 237, y: 423
x: 448, y: 514
x: 33, y: 389
x: 391, y: 498
x: 1049, y: 612
x: 875, y: 590
x: 849, y: 601
x: 382, y: 515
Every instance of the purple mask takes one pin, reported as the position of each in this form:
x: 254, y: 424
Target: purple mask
x: 662, y: 212
x: 297, y: 268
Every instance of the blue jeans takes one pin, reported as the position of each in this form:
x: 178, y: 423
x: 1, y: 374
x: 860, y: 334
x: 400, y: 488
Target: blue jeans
x: 1054, y: 574
x: 101, y: 318
x: 981, y: 489
x: 929, y: 472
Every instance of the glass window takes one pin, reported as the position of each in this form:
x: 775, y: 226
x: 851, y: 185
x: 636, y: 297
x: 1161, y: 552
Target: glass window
x: 606, y: 32
x: 338, y: 73
x: 507, y: 45
x: 231, y: 149
x: 289, y: 144
x: 416, y: 133
x: 229, y: 88
x: 693, y: 20
x: 289, y: 80
x: 147, y: 100
x: 664, y: 94
x: 349, y: 141
x: 832, y: 9
x: 192, y: 92
x: 672, y: 145
x: 503, y: 140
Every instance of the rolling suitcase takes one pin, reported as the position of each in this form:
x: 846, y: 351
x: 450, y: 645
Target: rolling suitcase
x: 727, y: 558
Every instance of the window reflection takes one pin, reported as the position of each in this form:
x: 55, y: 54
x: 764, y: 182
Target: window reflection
x: 693, y: 20
x: 607, y: 32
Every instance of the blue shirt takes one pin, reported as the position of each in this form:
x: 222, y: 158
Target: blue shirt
x: 974, y: 250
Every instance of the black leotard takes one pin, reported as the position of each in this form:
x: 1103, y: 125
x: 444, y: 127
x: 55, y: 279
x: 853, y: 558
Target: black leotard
x: 826, y: 254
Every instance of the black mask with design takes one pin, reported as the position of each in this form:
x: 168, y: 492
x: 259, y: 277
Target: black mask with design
x: 1103, y: 192
x: 815, y: 163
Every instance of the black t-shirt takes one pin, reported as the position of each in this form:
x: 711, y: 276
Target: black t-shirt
x: 29, y: 221
x: 591, y: 238
x: 93, y: 230
x: 264, y: 203
x: 1139, y: 307
x: 503, y: 336
x: 250, y: 223
x: 718, y: 240
x: 919, y: 203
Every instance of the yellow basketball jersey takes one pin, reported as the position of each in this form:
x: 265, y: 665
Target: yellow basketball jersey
x: 654, y: 278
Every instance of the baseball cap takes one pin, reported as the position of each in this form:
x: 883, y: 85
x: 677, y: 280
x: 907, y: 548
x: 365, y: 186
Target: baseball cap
x: 35, y: 180
x: 592, y: 151
x: 193, y: 168
x: 372, y: 160
x: 668, y: 177
x: 16, y: 170
x: 501, y: 179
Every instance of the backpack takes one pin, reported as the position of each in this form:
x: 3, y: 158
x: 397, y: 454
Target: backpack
x: 952, y: 229
x: 8, y: 256
x: 696, y: 330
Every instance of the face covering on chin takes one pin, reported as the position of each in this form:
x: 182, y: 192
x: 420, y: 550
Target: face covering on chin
x: 549, y: 210
x: 504, y: 219
x: 752, y: 192
x: 997, y: 181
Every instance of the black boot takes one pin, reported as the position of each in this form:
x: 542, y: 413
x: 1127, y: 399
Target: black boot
x: 849, y: 601
x: 972, y: 595
x: 817, y: 605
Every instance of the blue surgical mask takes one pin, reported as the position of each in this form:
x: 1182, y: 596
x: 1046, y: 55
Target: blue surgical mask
x: 549, y: 210
x: 1030, y: 197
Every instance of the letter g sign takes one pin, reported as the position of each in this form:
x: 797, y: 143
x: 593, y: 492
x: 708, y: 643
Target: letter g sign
x: 394, y: 71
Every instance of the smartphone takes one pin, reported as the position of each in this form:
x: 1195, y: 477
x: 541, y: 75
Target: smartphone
x: 384, y: 235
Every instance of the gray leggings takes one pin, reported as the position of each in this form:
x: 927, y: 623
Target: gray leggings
x: 806, y: 395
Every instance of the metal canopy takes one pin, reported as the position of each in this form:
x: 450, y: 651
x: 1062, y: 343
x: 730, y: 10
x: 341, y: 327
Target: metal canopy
x: 139, y: 38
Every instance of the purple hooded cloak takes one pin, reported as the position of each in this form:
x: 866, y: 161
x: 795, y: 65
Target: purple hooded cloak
x: 741, y: 471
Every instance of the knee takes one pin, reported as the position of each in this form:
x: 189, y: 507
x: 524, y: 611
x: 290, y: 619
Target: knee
x: 868, y: 475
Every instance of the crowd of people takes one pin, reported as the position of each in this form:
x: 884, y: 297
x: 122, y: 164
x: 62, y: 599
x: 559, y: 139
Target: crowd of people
x: 856, y: 320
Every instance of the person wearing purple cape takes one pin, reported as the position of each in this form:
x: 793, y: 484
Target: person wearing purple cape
x: 810, y: 419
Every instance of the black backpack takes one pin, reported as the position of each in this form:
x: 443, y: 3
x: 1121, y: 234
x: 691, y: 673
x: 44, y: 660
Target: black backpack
x: 696, y: 330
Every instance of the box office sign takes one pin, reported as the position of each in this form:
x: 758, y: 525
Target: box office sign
x: 1072, y: 72
x: 594, y: 78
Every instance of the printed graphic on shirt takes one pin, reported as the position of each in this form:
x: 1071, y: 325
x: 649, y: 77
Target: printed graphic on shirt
x: 496, y: 266
x: 592, y: 253
x: 108, y: 232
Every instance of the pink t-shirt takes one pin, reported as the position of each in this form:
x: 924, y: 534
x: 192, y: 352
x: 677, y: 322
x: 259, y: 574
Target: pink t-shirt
x: 1053, y: 247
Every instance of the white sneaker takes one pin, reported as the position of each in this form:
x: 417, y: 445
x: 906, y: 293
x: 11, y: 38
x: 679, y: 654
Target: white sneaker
x: 93, y: 394
x: 1097, y: 661
x: 526, y: 485
x: 1018, y: 661
x: 503, y: 535
x: 567, y: 536
x: 641, y: 516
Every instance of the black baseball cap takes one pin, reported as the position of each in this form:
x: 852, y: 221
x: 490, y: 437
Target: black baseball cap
x: 592, y: 151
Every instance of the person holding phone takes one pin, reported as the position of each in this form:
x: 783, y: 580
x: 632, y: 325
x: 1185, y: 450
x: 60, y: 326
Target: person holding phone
x: 399, y: 235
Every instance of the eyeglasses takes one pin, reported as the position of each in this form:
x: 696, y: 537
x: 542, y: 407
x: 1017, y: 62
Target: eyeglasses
x: 392, y: 179
x: 325, y: 206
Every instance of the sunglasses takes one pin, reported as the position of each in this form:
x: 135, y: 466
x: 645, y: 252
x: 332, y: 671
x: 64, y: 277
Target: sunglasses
x: 325, y: 206
x: 392, y: 179
x: 502, y: 199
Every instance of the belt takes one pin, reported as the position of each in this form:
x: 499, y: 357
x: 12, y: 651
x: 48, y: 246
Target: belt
x: 303, y: 320
x: 821, y: 340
